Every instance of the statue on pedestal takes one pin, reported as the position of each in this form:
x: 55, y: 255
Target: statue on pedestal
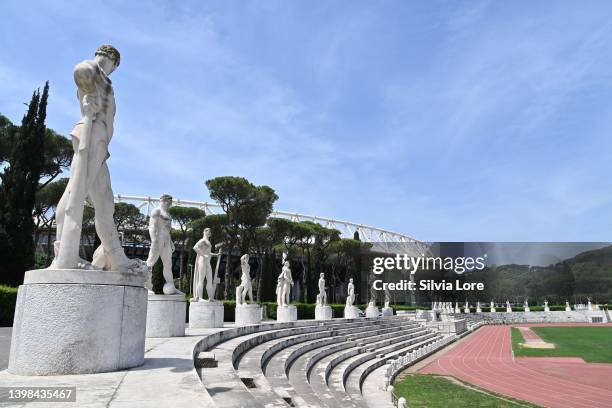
x: 203, y: 269
x: 350, y: 298
x: 387, y: 298
x: 245, y: 281
x: 89, y: 175
x: 322, y: 296
x: 160, y: 225
x: 283, y: 287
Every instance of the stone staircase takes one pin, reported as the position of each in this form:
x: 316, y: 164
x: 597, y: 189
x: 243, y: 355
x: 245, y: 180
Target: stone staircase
x: 307, y: 363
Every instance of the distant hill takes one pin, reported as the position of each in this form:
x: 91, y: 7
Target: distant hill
x: 588, y: 274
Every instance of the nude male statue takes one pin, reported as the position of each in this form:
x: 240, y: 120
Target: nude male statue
x: 203, y: 269
x: 246, y: 287
x: 160, y: 225
x: 283, y: 287
x: 322, y: 296
x: 350, y: 298
x: 89, y: 177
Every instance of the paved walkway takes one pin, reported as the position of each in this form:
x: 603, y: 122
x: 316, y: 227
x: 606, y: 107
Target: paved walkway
x: 5, y: 346
x: 167, y: 379
x: 486, y: 361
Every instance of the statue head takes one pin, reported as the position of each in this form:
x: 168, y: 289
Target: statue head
x: 286, y: 264
x: 108, y: 58
x: 351, y: 280
x: 321, y: 275
x: 165, y: 201
x: 244, y: 259
x: 206, y: 233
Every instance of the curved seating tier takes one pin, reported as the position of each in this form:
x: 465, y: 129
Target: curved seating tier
x: 305, y: 363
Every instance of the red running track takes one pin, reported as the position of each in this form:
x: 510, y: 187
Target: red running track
x: 485, y: 360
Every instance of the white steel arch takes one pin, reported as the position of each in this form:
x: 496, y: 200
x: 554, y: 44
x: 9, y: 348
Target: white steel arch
x: 383, y: 239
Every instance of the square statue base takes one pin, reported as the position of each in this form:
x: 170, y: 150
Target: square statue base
x: 73, y: 321
x: 387, y: 311
x: 508, y: 310
x: 546, y: 309
x: 166, y: 315
x: 372, y: 311
x: 205, y: 314
x: 286, y: 313
x: 323, y: 313
x: 527, y: 310
x: 351, y: 312
x: 248, y: 314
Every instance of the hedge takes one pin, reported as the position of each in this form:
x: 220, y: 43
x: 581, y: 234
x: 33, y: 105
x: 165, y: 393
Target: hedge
x: 8, y: 298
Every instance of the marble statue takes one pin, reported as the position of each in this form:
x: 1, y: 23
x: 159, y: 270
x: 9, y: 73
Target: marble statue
x: 525, y: 304
x: 160, y: 225
x: 283, y: 287
x: 322, y: 296
x: 567, y: 307
x: 466, y: 308
x: 245, y: 281
x: 350, y: 298
x: 478, y: 308
x: 545, y: 303
x: 203, y: 269
x: 508, y: 307
x: 589, y: 304
x: 387, y: 298
x: 492, y: 306
x: 89, y: 174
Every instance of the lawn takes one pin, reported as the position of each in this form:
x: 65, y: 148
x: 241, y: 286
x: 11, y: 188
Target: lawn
x: 432, y: 391
x: 593, y: 344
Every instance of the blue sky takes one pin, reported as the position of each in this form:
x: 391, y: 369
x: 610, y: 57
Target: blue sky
x: 443, y: 120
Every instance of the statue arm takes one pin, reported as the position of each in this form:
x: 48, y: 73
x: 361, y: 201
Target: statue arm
x: 84, y: 77
x: 154, y: 225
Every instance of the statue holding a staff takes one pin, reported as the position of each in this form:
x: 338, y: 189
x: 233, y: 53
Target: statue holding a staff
x: 89, y: 175
x: 203, y: 269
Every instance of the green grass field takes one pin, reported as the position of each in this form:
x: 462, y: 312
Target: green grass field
x: 593, y: 344
x: 433, y: 391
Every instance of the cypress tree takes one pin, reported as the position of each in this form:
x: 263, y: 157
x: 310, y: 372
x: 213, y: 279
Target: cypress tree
x: 18, y: 191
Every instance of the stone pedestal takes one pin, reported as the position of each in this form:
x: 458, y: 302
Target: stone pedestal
x: 478, y: 310
x: 286, y: 313
x: 248, y: 314
x: 466, y: 310
x: 388, y: 311
x: 508, y: 310
x: 166, y: 315
x: 546, y: 309
x: 72, y: 321
x: 527, y: 310
x: 372, y: 311
x: 568, y: 309
x: 351, y: 312
x: 492, y: 310
x: 205, y: 314
x: 323, y: 313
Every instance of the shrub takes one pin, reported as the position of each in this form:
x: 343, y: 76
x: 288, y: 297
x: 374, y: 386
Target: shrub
x: 8, y: 298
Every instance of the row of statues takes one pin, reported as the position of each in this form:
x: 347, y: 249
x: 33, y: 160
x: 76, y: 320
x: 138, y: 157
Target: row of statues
x: 447, y: 307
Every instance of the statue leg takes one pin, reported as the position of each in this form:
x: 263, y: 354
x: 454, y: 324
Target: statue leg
x: 60, y: 211
x: 209, y: 284
x: 166, y: 257
x: 199, y: 286
x: 101, y: 196
x: 250, y: 292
